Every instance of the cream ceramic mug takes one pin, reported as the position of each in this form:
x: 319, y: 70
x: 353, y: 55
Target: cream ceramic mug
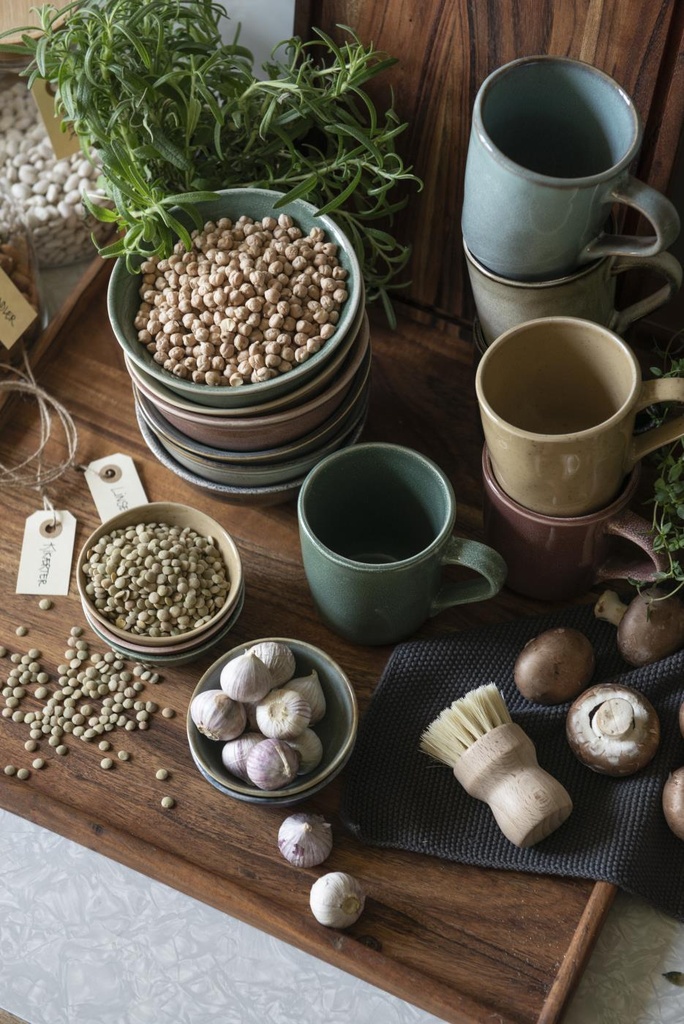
x: 589, y: 293
x: 558, y: 398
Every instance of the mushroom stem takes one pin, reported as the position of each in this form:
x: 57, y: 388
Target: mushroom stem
x: 610, y: 608
x: 614, y: 717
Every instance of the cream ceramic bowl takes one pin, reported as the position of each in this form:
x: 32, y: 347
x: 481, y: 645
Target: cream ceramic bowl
x: 172, y: 514
x: 123, y: 300
x: 272, y: 430
x: 336, y: 730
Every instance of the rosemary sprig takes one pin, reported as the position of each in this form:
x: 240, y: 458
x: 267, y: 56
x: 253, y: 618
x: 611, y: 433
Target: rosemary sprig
x: 173, y: 112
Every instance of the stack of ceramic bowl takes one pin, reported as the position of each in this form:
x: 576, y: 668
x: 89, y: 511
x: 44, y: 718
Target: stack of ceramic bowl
x: 336, y: 729
x: 253, y: 443
x: 182, y: 647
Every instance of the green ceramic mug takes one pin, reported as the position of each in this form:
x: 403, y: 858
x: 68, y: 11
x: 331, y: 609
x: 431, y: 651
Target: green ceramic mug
x: 376, y: 528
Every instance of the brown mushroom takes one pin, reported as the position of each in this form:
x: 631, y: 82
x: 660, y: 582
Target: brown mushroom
x: 650, y: 627
x: 613, y: 729
x: 554, y: 666
x: 673, y: 802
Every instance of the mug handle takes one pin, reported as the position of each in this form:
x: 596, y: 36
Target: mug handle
x: 663, y: 389
x: 654, y: 206
x: 484, y: 560
x: 665, y: 265
x: 634, y: 528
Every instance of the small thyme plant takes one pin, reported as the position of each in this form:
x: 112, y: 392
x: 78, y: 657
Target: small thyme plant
x: 668, y: 487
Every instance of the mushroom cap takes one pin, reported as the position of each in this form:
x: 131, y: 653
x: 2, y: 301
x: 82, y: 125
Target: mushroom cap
x: 652, y: 628
x: 554, y: 666
x: 613, y: 729
x: 673, y: 802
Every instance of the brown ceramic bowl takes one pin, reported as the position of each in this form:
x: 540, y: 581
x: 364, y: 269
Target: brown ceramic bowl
x: 259, y: 433
x: 177, y: 515
x: 304, y: 392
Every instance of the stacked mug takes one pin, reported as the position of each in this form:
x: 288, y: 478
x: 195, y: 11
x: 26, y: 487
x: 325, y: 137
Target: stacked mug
x: 558, y: 388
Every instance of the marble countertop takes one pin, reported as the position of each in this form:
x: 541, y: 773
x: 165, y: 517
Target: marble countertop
x: 84, y: 940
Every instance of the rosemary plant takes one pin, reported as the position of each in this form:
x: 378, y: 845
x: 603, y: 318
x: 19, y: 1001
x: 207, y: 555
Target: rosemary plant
x: 174, y: 113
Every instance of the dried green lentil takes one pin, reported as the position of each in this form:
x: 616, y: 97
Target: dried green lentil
x: 10, y: 769
x: 106, y: 763
x: 168, y: 713
x: 45, y: 604
x: 21, y: 630
x: 123, y: 755
x: 38, y: 763
x: 161, y: 774
x: 167, y: 802
x: 23, y: 774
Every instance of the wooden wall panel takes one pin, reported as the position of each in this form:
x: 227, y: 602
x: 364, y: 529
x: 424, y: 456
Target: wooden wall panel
x: 447, y: 47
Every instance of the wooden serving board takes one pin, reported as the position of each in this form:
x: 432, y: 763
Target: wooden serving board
x: 467, y: 944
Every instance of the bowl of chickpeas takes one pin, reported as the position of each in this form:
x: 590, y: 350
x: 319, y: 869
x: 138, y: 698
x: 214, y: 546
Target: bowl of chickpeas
x: 256, y: 307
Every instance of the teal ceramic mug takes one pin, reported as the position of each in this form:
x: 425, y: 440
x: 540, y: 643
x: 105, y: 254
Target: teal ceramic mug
x: 551, y: 144
x: 376, y: 527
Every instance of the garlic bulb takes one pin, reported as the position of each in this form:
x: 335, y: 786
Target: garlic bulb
x: 246, y: 678
x: 234, y: 753
x: 278, y: 659
x: 312, y: 692
x: 271, y: 764
x: 217, y: 716
x: 305, y: 839
x: 282, y: 714
x: 310, y: 749
x: 337, y: 900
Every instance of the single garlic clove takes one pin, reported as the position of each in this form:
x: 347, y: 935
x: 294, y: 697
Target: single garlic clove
x: 310, y: 749
x: 312, y: 692
x: 234, y: 753
x: 271, y: 764
x: 282, y: 714
x: 246, y: 678
x: 278, y: 659
x: 217, y: 715
x: 305, y: 839
x: 337, y: 899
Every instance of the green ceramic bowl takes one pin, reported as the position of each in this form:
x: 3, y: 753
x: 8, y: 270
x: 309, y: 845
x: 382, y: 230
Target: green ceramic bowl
x: 123, y: 301
x: 337, y: 729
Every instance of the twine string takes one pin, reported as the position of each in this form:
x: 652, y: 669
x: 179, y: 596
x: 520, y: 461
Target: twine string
x: 32, y: 472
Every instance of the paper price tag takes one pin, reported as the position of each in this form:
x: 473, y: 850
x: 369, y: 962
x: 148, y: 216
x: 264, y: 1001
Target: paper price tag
x: 46, y: 553
x: 64, y: 143
x: 115, y: 485
x: 16, y: 313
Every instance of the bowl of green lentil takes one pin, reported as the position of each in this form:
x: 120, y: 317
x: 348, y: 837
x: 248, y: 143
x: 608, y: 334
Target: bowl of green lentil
x: 162, y: 577
x: 259, y: 304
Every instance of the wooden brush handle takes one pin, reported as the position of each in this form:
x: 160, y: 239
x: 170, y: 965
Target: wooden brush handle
x: 501, y: 769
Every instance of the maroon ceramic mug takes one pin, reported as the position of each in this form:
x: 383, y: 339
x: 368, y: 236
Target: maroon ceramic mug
x: 554, y: 558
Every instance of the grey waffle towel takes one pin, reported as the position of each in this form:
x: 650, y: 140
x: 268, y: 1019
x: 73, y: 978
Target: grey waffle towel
x: 396, y: 796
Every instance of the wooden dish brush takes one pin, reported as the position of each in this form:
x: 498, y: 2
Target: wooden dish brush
x: 496, y: 762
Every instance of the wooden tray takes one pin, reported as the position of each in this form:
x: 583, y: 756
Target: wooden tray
x: 466, y: 944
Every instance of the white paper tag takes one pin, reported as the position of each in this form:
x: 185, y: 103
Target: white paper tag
x: 46, y: 553
x: 115, y: 485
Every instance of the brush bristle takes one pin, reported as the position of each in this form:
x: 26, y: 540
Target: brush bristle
x: 464, y: 722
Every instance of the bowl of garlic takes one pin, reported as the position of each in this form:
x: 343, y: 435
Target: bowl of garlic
x: 272, y: 721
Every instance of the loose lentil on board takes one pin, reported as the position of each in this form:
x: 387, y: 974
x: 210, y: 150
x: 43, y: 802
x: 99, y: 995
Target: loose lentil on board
x: 251, y: 300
